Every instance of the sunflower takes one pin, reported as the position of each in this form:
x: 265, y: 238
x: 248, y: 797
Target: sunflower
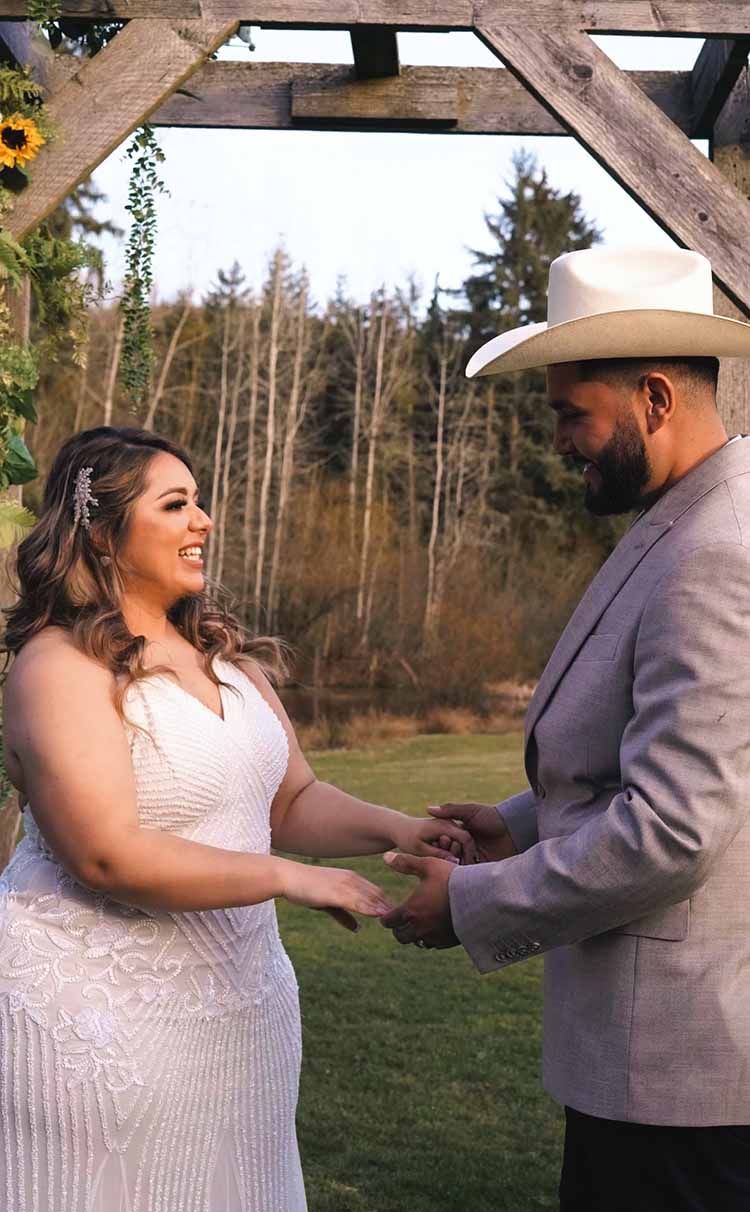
x: 20, y: 140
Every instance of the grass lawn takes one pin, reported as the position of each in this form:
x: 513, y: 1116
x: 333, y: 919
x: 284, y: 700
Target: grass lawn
x: 421, y: 1085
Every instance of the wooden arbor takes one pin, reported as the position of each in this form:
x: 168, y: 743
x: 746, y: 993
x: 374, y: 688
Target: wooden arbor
x: 638, y: 125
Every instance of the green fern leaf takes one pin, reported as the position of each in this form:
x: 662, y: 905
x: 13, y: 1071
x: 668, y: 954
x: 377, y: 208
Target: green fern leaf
x: 14, y: 519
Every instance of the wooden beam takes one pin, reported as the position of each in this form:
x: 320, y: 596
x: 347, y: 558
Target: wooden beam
x: 374, y: 102
x: 633, y: 140
x: 730, y: 152
x: 19, y: 305
x: 21, y: 45
x: 699, y: 18
x: 107, y: 98
x: 487, y: 101
x: 375, y: 49
x: 717, y: 70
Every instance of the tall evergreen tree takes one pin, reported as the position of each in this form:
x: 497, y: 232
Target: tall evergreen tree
x: 535, y: 494
x: 533, y: 225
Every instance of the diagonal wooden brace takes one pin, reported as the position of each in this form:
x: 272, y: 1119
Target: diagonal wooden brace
x: 634, y: 141
x: 106, y: 99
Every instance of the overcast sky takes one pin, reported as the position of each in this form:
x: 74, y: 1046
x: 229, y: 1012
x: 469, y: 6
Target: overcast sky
x: 372, y: 207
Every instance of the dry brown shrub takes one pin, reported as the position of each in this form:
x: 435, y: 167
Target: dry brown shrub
x: 361, y: 730
x: 452, y: 721
x: 324, y: 733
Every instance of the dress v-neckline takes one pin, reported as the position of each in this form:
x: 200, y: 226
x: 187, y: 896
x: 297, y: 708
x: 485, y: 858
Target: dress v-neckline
x: 178, y: 686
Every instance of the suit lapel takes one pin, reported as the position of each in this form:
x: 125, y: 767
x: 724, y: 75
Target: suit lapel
x: 610, y: 578
x: 729, y: 460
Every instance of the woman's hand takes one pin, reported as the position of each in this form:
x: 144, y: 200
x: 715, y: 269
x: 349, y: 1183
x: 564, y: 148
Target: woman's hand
x: 337, y: 891
x: 431, y: 838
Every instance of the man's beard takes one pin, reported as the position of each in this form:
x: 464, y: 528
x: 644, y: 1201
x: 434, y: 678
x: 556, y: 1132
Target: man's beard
x: 624, y: 467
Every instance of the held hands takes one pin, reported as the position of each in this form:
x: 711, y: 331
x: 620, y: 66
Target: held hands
x: 488, y: 839
x: 475, y: 832
x: 428, y: 838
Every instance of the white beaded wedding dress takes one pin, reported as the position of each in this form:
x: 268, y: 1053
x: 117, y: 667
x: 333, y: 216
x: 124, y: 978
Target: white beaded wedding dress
x: 149, y: 1061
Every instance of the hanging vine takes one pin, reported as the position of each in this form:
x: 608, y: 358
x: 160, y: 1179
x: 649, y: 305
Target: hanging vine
x: 138, y: 343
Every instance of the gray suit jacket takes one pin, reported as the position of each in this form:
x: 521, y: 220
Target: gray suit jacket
x: 634, y: 871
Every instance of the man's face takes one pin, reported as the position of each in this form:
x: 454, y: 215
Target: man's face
x: 597, y: 430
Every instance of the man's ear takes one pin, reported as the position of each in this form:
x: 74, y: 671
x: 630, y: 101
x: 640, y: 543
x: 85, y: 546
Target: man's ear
x: 659, y: 400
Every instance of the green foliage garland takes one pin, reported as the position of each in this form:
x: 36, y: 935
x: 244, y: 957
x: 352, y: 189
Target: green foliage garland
x: 145, y: 183
x: 53, y: 265
x: 44, y: 12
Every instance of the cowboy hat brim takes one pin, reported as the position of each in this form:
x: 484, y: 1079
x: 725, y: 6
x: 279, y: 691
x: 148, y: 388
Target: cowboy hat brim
x: 646, y: 333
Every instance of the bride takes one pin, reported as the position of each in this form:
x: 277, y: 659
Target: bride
x: 149, y: 1021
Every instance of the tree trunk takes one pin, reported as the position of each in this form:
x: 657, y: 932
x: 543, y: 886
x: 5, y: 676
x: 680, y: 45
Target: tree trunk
x: 373, y: 435
x: 429, y: 611
x: 114, y: 366
x: 218, y: 444
x: 359, y: 351
x: 252, y: 418
x: 81, y: 398
x: 265, y: 487
x: 294, y: 417
x: 233, y: 413
x: 165, y: 368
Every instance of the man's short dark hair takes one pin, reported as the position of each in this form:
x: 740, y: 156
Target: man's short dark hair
x: 697, y: 373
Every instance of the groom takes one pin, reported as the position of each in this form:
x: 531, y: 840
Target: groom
x: 627, y: 861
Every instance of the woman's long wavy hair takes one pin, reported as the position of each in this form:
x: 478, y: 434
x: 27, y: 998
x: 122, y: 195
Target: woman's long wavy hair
x: 71, y: 577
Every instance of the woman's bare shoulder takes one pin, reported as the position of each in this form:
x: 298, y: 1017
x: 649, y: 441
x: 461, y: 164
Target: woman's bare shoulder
x: 49, y: 655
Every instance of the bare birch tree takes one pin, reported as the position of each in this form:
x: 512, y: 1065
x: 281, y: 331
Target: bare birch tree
x: 276, y: 284
x: 250, y: 453
x: 166, y: 366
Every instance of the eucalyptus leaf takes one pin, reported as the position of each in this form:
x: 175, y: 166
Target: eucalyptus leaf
x: 23, y: 404
x: 19, y: 465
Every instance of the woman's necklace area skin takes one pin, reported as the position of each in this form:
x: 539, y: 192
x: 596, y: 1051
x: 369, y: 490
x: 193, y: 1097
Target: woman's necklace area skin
x: 175, y: 664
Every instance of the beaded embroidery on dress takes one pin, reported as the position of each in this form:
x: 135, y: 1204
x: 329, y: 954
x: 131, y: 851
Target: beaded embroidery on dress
x: 149, y: 1061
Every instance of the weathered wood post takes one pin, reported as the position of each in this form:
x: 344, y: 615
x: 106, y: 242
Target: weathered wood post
x: 730, y: 152
x: 19, y: 303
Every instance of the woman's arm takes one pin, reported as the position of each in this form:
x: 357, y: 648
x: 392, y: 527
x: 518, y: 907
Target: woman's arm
x: 317, y: 819
x: 68, y: 739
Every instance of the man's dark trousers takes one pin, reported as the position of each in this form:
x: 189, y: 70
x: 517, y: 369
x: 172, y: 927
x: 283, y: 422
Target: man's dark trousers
x: 613, y: 1166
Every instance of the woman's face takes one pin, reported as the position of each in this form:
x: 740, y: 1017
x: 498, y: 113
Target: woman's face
x: 166, y: 522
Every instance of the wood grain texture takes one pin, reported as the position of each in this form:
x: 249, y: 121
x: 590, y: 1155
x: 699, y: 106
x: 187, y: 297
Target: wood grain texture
x: 107, y: 98
x: 170, y: 10
x: 730, y: 151
x: 717, y: 18
x: 717, y: 70
x: 361, y: 103
x: 19, y: 303
x: 20, y: 44
x: 636, y: 143
x: 375, y: 50
x: 487, y: 100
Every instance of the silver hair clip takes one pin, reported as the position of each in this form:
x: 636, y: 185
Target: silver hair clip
x: 82, y: 498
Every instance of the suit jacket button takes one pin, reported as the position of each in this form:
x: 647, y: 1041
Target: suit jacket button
x: 541, y: 792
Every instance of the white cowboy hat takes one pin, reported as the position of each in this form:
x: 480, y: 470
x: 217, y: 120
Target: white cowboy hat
x: 620, y: 303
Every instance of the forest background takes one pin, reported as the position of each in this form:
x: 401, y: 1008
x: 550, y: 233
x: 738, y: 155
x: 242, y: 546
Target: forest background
x: 411, y: 533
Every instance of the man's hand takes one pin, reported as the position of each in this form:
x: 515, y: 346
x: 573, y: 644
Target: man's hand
x: 430, y: 838
x: 425, y: 918
x: 489, y: 833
